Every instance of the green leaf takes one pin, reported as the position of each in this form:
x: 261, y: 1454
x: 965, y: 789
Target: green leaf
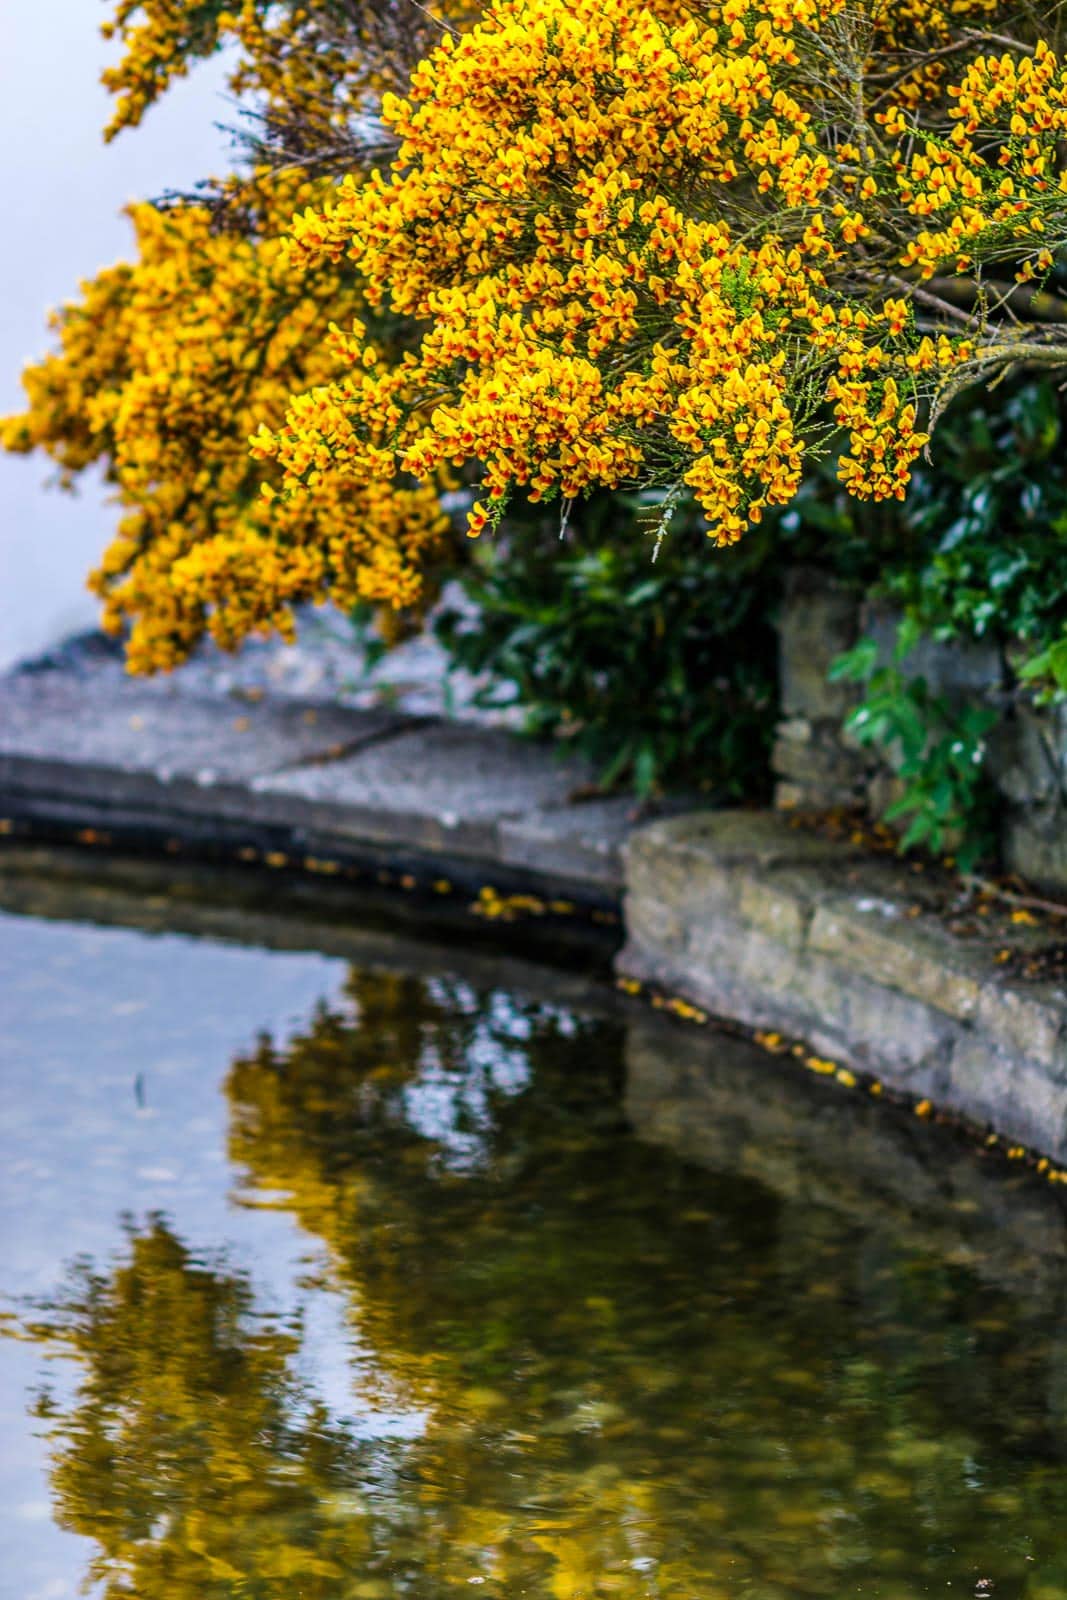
x: 855, y: 665
x: 646, y: 767
x: 909, y: 633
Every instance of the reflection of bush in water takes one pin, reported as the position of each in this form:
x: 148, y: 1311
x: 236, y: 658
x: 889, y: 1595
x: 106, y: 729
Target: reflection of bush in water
x: 641, y: 1379
x: 633, y: 1366
x: 190, y: 1454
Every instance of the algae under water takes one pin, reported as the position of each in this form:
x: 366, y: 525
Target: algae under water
x: 419, y: 1276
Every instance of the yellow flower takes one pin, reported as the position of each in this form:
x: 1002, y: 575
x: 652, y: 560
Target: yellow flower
x: 617, y: 243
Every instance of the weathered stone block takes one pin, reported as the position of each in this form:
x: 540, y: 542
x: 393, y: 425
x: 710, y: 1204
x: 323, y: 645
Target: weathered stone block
x: 776, y: 908
x: 962, y: 669
x: 819, y: 620
x: 872, y: 935
x: 1034, y: 843
x: 1027, y: 1023
x: 1028, y: 755
x: 885, y: 789
x: 685, y: 879
x: 729, y: 969
x: 796, y: 730
x: 1015, y: 1095
x: 748, y: 957
x: 746, y: 972
x: 821, y: 760
x: 655, y: 925
x: 722, y: 839
x: 715, y: 869
x: 793, y: 797
x: 858, y: 1020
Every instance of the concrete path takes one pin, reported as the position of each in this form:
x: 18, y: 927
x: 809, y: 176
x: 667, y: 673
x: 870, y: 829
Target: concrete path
x: 317, y: 784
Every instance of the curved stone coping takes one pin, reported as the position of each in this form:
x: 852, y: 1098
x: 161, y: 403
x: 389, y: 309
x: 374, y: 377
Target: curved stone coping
x: 775, y: 928
x: 307, y: 782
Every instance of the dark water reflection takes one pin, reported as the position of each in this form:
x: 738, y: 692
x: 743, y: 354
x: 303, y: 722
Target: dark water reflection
x: 616, y: 1316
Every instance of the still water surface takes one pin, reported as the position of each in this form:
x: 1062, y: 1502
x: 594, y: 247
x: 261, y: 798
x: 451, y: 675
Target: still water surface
x: 348, y: 1281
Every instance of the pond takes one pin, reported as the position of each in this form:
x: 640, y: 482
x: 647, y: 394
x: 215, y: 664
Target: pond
x: 427, y: 1273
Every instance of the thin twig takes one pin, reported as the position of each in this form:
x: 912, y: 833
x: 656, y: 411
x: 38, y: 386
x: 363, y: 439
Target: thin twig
x: 922, y: 58
x: 984, y: 36
x: 925, y: 298
x: 438, y: 22
x: 1031, y: 902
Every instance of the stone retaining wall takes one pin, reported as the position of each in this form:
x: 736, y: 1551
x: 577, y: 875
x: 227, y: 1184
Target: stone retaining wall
x: 746, y: 915
x: 818, y: 766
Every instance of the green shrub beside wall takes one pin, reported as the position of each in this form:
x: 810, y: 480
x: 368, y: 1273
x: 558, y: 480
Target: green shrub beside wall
x: 663, y: 671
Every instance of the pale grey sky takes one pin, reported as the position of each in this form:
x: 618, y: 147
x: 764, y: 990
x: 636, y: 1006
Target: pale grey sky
x: 62, y: 193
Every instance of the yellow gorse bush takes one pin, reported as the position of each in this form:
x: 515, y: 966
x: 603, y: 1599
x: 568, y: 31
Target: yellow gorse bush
x: 164, y: 367
x: 310, y: 67
x: 633, y: 237
x: 669, y: 245
x: 163, y: 370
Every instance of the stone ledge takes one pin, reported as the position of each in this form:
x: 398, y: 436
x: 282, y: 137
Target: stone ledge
x: 868, y: 934
x: 306, y: 780
x: 775, y: 928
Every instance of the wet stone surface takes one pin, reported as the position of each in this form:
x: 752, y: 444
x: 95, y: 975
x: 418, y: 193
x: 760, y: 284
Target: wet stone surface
x: 203, y: 738
x: 438, y: 785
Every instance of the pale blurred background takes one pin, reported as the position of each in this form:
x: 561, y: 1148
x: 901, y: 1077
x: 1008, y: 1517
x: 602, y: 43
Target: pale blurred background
x: 62, y: 193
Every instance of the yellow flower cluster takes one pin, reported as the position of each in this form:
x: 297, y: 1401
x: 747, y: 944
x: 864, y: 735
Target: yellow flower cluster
x: 163, y: 370
x: 917, y: 42
x: 619, y: 243
x: 308, y: 66
x: 159, y: 39
x: 582, y: 324
x: 994, y: 185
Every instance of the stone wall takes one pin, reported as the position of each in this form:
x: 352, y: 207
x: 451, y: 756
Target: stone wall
x: 1031, y: 772
x: 818, y: 767
x: 757, y: 920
